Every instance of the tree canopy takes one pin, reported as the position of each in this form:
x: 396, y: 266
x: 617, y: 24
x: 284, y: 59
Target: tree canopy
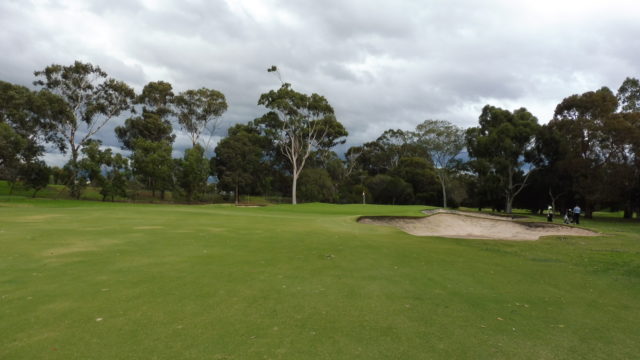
x: 503, y: 144
x: 587, y: 154
x: 297, y: 123
x: 92, y: 98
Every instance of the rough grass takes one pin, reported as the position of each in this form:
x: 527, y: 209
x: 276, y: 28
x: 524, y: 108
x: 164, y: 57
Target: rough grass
x: 61, y: 192
x: 91, y: 280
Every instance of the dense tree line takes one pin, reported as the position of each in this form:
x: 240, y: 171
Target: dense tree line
x: 588, y: 154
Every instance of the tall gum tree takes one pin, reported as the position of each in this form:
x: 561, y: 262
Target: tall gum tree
x: 150, y: 136
x: 27, y: 122
x: 442, y: 142
x: 93, y: 100
x: 582, y: 121
x: 199, y: 113
x: 238, y: 159
x: 384, y: 154
x: 629, y: 101
x: 154, y: 125
x: 297, y: 123
x: 33, y: 115
x: 504, y: 142
x: 629, y: 95
x: 193, y: 170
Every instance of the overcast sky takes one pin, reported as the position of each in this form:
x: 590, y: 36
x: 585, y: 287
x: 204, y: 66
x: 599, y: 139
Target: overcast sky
x: 382, y: 65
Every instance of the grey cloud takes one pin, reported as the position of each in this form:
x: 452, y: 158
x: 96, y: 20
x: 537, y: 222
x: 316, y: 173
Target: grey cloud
x: 381, y: 64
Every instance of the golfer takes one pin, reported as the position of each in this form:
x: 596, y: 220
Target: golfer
x: 576, y: 214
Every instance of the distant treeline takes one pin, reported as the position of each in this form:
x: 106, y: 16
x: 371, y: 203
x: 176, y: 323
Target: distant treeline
x: 588, y: 154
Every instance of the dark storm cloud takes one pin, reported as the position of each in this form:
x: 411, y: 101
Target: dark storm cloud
x: 380, y: 64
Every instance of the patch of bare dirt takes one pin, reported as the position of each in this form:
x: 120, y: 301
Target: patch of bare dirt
x: 36, y: 218
x: 476, y: 226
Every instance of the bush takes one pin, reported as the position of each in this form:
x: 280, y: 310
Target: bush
x: 315, y: 185
x: 387, y: 189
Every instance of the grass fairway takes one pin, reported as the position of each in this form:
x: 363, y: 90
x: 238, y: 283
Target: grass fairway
x: 89, y: 280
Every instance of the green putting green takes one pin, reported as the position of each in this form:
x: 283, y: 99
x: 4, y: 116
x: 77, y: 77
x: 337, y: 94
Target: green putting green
x: 91, y: 280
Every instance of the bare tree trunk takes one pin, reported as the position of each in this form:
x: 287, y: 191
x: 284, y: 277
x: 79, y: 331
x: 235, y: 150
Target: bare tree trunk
x: 444, y: 193
x: 588, y: 211
x: 553, y: 199
x: 508, y: 194
x: 151, y: 185
x: 513, y: 190
x: 509, y: 204
x: 294, y: 186
x: 237, y: 196
x: 75, y: 187
x: 628, y: 211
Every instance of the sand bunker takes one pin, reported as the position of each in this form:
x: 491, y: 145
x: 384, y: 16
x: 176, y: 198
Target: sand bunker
x: 476, y: 226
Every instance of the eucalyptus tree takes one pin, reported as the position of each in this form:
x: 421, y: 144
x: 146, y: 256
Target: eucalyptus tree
x: 35, y: 175
x: 148, y: 126
x: 157, y: 97
x: 104, y: 169
x: 629, y: 100
x: 193, y: 171
x: 153, y: 125
x: 116, y: 177
x: 93, y: 99
x: 351, y: 160
x: 199, y: 113
x: 27, y: 123
x: 153, y: 164
x: 397, y: 144
x: 150, y: 137
x: 628, y: 95
x: 581, y: 122
x: 238, y: 160
x: 11, y: 148
x: 503, y: 144
x: 297, y: 124
x: 551, y: 176
x: 335, y: 135
x: 384, y: 154
x: 33, y: 115
x: 392, y: 190
x: 419, y: 173
x: 442, y: 142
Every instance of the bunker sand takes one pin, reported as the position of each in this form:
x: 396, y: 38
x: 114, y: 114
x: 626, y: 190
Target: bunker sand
x: 481, y: 226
